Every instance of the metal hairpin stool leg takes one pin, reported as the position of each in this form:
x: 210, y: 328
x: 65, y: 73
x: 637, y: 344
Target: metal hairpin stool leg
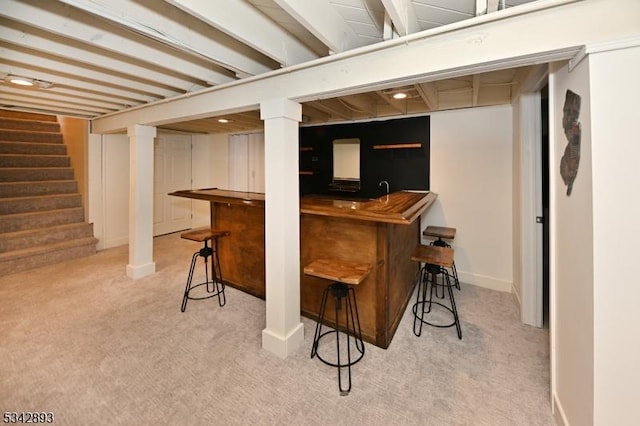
x: 345, y: 275
x: 436, y: 261
x: 442, y: 233
x: 214, y: 285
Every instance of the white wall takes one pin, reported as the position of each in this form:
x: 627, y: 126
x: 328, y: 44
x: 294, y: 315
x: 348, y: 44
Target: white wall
x: 109, y: 182
x: 616, y: 231
x: 210, y: 169
x: 115, y: 181
x: 471, y: 171
x: 95, y: 190
x: 571, y: 254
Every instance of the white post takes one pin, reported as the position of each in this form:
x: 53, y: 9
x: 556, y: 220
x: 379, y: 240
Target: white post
x: 284, y: 331
x: 141, y: 155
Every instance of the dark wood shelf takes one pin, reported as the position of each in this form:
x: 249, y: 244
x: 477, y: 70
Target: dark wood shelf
x: 306, y: 172
x: 398, y: 146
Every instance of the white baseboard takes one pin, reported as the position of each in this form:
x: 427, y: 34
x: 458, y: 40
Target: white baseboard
x: 484, y: 281
x: 139, y: 271
x: 116, y: 242
x: 558, y: 412
x: 283, y: 346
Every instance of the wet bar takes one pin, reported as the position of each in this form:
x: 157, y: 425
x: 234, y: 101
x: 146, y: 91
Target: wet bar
x: 382, y: 231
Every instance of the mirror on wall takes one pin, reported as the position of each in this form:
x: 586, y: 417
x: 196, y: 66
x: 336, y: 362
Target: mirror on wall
x: 346, y: 164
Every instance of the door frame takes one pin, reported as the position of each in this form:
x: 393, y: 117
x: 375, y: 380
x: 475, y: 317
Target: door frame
x: 531, y: 245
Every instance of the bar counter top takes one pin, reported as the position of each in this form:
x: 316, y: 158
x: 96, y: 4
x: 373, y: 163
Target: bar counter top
x: 223, y: 196
x: 401, y: 207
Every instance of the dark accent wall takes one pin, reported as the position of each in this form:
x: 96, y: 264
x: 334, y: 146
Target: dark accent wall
x: 403, y: 168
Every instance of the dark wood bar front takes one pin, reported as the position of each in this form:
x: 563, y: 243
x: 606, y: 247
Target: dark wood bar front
x: 382, y: 232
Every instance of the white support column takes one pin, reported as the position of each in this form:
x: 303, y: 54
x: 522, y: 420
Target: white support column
x: 284, y: 332
x: 141, y: 141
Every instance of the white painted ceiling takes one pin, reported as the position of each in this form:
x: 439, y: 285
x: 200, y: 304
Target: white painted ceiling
x: 92, y: 57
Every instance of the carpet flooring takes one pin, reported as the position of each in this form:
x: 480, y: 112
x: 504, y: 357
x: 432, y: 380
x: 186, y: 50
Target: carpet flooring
x: 92, y: 346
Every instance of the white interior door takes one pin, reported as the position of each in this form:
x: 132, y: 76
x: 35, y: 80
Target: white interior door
x: 246, y: 158
x: 172, y: 172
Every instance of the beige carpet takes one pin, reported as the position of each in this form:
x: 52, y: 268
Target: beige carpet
x: 85, y: 342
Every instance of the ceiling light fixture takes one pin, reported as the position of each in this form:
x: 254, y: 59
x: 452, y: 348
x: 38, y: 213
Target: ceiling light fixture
x: 27, y: 82
x: 20, y: 81
x: 399, y: 95
x: 224, y: 120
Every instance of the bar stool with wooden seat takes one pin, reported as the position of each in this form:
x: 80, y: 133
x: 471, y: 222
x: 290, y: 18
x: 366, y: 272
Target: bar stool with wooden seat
x: 215, y: 285
x: 345, y: 275
x: 443, y: 233
x: 435, y: 260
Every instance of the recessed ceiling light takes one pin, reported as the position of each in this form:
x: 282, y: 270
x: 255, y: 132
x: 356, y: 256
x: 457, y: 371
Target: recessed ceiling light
x: 399, y: 95
x: 224, y: 120
x: 27, y: 82
x: 20, y: 81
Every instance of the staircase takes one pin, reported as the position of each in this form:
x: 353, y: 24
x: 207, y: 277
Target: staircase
x: 41, y: 214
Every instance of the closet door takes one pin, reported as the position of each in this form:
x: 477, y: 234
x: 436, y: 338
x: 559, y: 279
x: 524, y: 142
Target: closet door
x: 246, y: 162
x: 172, y: 173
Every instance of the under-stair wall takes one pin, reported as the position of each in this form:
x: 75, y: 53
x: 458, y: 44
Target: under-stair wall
x: 42, y: 220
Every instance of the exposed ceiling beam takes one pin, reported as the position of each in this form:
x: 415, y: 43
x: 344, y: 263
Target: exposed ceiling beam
x: 488, y: 6
x: 11, y: 54
x: 361, y: 103
x: 314, y: 114
x: 154, y: 19
x: 333, y: 108
x: 244, y: 22
x: 476, y: 89
x: 530, y: 79
x: 321, y: 20
x: 59, y: 18
x: 402, y: 15
x: 481, y: 7
x: 28, y: 37
x: 424, y: 56
x: 43, y: 104
x: 124, y: 97
x: 393, y: 104
x: 62, y: 97
x: 429, y: 95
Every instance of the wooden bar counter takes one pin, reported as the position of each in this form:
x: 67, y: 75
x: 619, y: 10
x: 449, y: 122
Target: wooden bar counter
x: 382, y: 231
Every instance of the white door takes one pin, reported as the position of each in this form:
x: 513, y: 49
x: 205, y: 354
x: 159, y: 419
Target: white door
x: 172, y: 172
x: 246, y: 162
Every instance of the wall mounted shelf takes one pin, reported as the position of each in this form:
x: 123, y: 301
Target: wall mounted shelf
x: 398, y: 146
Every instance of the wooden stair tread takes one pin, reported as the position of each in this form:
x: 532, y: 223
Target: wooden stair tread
x: 339, y: 270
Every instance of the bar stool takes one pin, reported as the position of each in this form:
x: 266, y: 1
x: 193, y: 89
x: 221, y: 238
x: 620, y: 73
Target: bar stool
x: 436, y: 260
x: 214, y: 286
x: 345, y: 275
x: 442, y: 233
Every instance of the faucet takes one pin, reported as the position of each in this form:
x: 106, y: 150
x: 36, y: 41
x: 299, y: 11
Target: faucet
x: 386, y: 183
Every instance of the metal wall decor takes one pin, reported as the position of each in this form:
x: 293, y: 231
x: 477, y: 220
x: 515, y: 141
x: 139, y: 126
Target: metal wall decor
x: 571, y: 157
